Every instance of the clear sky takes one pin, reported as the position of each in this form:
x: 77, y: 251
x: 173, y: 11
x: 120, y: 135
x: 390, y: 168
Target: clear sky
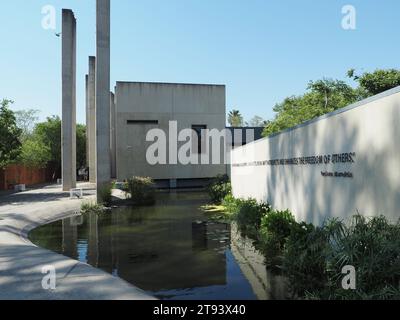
x: 263, y: 50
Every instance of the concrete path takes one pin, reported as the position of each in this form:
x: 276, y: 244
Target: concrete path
x: 21, y: 262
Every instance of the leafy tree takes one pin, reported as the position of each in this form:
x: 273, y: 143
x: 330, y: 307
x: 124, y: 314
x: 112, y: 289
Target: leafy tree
x: 81, y: 146
x: 235, y: 119
x: 332, y: 94
x: 26, y: 120
x: 10, y: 143
x: 327, y: 95
x: 257, y: 121
x: 49, y: 134
x: 378, y: 81
x: 34, y: 153
x: 322, y: 97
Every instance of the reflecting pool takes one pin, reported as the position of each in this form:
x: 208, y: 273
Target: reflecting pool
x: 170, y: 250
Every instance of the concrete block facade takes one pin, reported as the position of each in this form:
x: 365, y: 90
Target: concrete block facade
x: 335, y: 166
x: 144, y: 106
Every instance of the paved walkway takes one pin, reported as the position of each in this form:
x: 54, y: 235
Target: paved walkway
x: 21, y: 262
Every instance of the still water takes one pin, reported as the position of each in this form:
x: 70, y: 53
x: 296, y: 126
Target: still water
x: 170, y: 250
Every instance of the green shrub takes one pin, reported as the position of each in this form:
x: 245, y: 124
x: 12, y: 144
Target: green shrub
x: 248, y: 216
x: 219, y: 188
x: 142, y: 190
x: 230, y: 203
x: 275, y: 229
x: 88, y: 207
x: 312, y: 258
x: 304, y: 261
x: 372, y: 246
x: 315, y: 257
x: 104, y: 194
x: 278, y: 223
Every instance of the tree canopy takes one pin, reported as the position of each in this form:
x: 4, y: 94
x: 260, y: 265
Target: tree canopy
x: 10, y: 134
x: 235, y: 119
x: 34, y: 153
x: 327, y: 95
x: 49, y: 134
x: 24, y: 141
x: 81, y: 146
x: 26, y: 120
x: 256, y: 121
x: 378, y: 81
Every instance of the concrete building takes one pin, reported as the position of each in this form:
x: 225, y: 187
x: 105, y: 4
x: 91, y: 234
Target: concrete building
x: 244, y: 135
x: 141, y: 107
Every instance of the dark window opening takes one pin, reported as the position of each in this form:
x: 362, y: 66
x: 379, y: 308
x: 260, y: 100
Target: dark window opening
x: 200, y: 132
x: 142, y: 121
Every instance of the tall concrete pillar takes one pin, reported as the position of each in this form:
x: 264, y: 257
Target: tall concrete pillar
x: 68, y: 100
x: 113, y: 141
x: 92, y: 119
x: 87, y: 118
x: 103, y: 94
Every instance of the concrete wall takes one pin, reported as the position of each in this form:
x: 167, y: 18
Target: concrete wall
x: 187, y: 104
x: 365, y: 135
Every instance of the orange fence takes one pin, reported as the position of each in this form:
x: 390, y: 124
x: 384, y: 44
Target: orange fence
x: 18, y: 174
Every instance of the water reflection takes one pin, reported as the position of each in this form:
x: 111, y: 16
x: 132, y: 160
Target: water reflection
x: 169, y: 250
x: 265, y: 284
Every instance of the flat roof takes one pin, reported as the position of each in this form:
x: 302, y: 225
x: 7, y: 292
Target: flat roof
x: 173, y: 83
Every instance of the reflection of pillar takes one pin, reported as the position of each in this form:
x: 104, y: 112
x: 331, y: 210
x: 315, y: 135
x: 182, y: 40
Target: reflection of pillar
x: 93, y: 240
x: 103, y: 94
x: 113, y: 141
x: 70, y: 239
x: 115, y: 245
x: 92, y: 119
x: 68, y: 100
x: 105, y: 243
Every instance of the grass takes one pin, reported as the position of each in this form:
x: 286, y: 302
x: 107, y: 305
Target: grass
x: 91, y: 207
x: 105, y: 194
x: 216, y: 212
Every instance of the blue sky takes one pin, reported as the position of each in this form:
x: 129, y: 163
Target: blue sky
x: 263, y: 50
